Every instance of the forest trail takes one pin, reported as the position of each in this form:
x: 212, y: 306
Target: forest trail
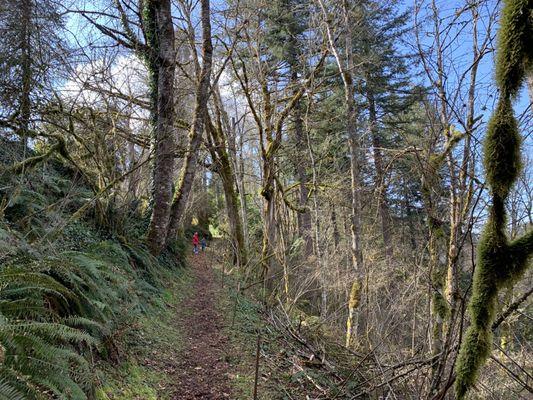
x: 202, y: 372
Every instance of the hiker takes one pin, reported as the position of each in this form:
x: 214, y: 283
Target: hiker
x: 195, y: 242
x: 203, y: 242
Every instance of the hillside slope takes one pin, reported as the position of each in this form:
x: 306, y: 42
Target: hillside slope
x: 72, y: 284
x: 87, y: 313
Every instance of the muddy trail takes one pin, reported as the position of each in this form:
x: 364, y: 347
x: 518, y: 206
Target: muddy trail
x: 202, y: 372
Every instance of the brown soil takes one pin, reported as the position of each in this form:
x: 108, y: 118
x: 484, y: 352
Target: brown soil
x: 202, y: 372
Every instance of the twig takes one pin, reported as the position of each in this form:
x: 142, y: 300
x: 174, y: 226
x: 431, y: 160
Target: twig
x: 257, y: 355
x: 511, y: 308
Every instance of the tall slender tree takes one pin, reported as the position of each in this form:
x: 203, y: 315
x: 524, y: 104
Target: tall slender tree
x: 160, y: 59
x: 188, y: 169
x: 220, y: 150
x: 346, y: 64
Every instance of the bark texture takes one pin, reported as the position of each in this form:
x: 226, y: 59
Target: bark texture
x: 157, y: 19
x: 381, y: 187
x: 200, y: 113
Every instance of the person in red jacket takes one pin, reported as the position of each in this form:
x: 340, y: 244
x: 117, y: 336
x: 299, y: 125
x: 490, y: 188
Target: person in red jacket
x: 195, y: 242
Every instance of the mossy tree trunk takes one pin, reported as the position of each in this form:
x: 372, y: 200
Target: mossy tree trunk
x: 160, y: 57
x: 242, y: 190
x: 500, y: 261
x: 218, y: 148
x: 189, y: 167
x: 268, y: 192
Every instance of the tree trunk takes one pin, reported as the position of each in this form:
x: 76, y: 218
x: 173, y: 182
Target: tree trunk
x: 355, y: 218
x: 160, y: 37
x: 25, y: 102
x: 235, y: 222
x: 336, y: 234
x: 381, y: 187
x: 304, y: 218
x: 202, y: 94
x: 354, y: 146
x: 218, y: 148
x: 269, y: 239
x: 346, y: 67
x: 242, y: 192
x: 355, y: 231
x: 227, y: 157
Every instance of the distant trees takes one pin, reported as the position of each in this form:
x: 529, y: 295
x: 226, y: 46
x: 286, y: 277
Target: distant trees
x: 257, y: 71
x: 31, y: 52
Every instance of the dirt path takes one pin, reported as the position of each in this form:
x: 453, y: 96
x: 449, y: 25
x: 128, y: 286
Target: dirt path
x: 202, y: 371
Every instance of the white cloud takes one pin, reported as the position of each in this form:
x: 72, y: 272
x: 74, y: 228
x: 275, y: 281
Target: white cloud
x: 95, y: 83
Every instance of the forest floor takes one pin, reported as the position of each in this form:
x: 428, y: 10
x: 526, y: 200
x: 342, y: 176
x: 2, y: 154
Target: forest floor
x: 186, y: 349
x: 200, y: 342
x: 203, y: 372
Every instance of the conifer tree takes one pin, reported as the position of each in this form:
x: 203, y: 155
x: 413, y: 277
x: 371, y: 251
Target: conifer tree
x: 384, y: 76
x: 30, y: 50
x: 287, y: 22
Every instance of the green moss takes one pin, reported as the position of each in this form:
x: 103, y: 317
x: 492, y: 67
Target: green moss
x: 439, y: 304
x: 136, y: 385
x: 502, y: 149
x: 515, y: 53
x: 499, y: 263
x: 475, y: 350
x: 150, y: 55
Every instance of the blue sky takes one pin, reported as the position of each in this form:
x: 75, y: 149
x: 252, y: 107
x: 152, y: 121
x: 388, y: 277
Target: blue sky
x: 82, y: 34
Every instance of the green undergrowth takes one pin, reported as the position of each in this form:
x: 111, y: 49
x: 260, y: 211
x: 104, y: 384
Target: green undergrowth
x: 148, y: 351
x: 77, y: 295
x: 287, y: 368
x: 242, y: 325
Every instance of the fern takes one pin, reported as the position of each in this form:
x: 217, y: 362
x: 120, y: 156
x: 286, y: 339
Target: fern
x: 66, y: 300
x: 37, y: 345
